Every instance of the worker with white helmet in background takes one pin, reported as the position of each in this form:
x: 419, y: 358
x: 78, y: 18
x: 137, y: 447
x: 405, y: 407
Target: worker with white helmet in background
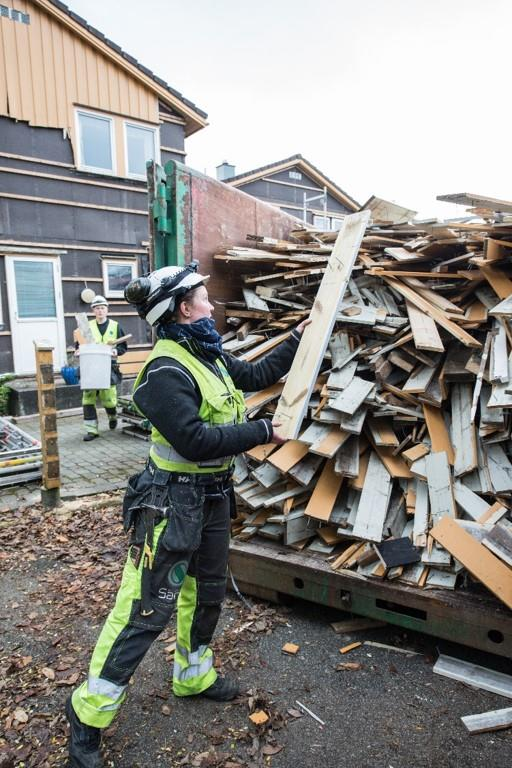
x: 178, y: 508
x: 104, y: 331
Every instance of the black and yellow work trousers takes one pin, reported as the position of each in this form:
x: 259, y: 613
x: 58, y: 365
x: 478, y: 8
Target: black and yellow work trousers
x: 189, y: 564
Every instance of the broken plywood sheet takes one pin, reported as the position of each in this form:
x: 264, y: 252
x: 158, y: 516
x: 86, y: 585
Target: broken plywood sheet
x: 306, y: 364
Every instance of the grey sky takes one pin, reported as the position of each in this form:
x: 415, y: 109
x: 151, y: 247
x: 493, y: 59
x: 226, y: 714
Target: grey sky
x: 404, y: 99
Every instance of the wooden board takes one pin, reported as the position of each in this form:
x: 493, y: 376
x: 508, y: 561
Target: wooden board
x: 323, y: 498
x: 474, y: 675
x: 424, y: 330
x: 494, y: 574
x: 438, y: 431
x: 463, y: 430
x: 495, y: 720
x: 433, y: 312
x: 353, y: 396
x: 328, y: 445
x: 306, y: 364
x: 373, y: 506
x: 288, y: 455
x: 440, y: 489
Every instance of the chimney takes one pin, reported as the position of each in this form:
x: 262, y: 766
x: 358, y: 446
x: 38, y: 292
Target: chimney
x: 225, y: 171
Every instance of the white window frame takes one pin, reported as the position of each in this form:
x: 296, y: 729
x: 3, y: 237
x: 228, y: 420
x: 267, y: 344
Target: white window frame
x: 326, y: 219
x: 101, y: 116
x: 106, y: 262
x: 296, y: 175
x: 156, y: 145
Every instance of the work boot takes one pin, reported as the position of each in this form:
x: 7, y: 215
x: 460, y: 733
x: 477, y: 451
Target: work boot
x: 112, y: 423
x: 223, y: 689
x: 90, y: 436
x: 84, y: 742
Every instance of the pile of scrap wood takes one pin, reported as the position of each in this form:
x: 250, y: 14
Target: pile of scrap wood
x: 397, y: 407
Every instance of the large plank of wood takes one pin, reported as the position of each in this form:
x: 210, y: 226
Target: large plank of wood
x: 373, y: 505
x: 472, y: 504
x: 495, y: 720
x: 483, y: 565
x: 474, y: 675
x: 497, y: 279
x: 288, y: 455
x: 420, y: 526
x: 436, y: 314
x: 308, y: 358
x: 323, y: 498
x: 424, y: 330
x: 395, y: 465
x: 438, y: 431
x: 382, y: 432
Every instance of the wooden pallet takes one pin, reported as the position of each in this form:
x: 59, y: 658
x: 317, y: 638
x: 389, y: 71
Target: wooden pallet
x: 461, y: 617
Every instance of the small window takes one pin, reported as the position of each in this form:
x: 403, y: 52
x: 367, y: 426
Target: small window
x: 96, y: 144
x: 140, y: 147
x: 336, y: 224
x: 295, y: 175
x: 116, y: 276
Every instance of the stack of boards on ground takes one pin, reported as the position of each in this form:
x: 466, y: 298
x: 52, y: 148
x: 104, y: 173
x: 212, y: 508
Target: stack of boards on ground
x: 398, y: 406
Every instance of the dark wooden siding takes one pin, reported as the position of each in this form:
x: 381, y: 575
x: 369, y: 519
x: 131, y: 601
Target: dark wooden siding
x: 67, y: 222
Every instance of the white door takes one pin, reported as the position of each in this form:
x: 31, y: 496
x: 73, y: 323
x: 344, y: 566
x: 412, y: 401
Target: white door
x: 35, y: 309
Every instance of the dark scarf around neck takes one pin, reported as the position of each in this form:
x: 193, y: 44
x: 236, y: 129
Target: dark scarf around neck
x: 202, y: 332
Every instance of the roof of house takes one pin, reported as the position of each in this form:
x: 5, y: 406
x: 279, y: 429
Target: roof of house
x: 308, y: 168
x: 194, y: 117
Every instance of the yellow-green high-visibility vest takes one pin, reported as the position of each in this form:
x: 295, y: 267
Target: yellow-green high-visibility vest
x: 109, y: 335
x: 222, y: 403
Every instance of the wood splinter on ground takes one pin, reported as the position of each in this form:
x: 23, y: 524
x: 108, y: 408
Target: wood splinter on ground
x: 290, y: 648
x: 350, y: 647
x: 259, y: 717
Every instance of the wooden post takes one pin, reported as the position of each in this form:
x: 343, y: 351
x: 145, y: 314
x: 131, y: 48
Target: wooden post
x: 46, y: 398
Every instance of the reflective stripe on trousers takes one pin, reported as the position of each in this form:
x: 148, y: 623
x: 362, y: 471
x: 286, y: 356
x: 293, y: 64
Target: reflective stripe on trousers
x: 191, y: 664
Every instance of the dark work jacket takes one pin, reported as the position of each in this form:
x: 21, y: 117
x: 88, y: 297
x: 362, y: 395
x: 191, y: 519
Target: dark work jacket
x: 169, y: 397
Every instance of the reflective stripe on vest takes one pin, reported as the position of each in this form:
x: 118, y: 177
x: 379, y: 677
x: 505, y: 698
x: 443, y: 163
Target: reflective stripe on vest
x: 168, y: 453
x: 222, y: 403
x: 110, y: 332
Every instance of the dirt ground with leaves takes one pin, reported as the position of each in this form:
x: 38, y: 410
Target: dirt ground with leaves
x: 378, y: 709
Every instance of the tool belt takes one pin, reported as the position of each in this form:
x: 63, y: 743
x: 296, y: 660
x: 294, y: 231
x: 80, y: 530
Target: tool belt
x: 156, y: 494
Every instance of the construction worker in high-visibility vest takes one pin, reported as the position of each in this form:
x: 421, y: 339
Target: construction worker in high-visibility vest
x: 104, y: 331
x: 178, y: 508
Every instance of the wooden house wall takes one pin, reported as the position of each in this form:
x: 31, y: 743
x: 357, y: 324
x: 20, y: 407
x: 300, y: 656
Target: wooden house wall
x: 46, y: 202
x: 48, y: 70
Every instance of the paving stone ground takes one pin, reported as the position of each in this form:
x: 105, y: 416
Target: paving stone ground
x: 92, y: 467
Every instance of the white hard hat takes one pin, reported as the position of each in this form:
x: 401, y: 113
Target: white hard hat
x: 157, y: 294
x: 99, y: 301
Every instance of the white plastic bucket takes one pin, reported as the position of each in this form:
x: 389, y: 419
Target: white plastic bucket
x: 95, y: 362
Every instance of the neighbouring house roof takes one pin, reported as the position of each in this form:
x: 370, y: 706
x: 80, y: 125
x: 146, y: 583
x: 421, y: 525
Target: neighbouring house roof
x: 194, y: 117
x: 296, y: 161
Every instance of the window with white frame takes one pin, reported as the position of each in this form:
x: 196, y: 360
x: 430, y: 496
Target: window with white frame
x: 117, y: 273
x: 96, y: 142
x: 140, y: 144
x: 336, y: 224
x: 322, y: 222
x: 295, y: 175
